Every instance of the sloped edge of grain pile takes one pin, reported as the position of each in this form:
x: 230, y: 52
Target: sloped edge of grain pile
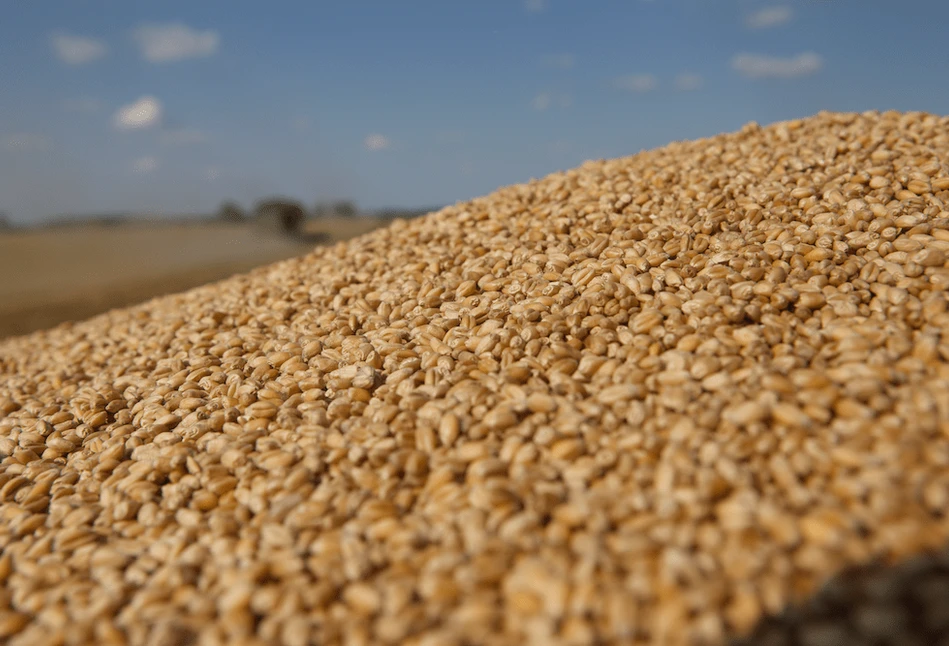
x: 647, y: 400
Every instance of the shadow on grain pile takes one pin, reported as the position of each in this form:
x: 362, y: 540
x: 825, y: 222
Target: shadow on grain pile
x: 647, y: 400
x: 903, y: 604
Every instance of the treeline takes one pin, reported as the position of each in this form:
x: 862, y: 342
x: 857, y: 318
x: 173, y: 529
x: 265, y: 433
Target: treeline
x: 408, y: 214
x: 285, y: 213
x: 232, y: 212
x: 286, y: 216
x: 92, y: 219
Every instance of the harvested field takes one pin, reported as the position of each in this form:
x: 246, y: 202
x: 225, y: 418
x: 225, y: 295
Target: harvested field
x: 651, y: 400
x: 70, y: 273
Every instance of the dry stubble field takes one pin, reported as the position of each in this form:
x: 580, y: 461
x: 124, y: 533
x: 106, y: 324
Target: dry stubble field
x: 70, y: 273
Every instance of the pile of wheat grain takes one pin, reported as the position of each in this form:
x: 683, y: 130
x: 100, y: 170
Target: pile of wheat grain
x: 648, y: 400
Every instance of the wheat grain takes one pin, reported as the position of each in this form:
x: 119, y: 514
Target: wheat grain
x: 647, y: 400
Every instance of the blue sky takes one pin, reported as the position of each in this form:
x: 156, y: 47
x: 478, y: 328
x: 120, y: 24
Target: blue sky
x: 174, y: 106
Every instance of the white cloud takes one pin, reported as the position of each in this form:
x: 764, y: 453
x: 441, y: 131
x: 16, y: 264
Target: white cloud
x: 688, y: 81
x: 755, y: 66
x: 561, y: 61
x: 175, y: 42
x: 541, y: 101
x: 27, y: 142
x: 144, y: 165
x: 77, y: 50
x: 768, y: 17
x: 183, y: 137
x: 535, y: 6
x: 376, y: 142
x: 144, y: 113
x: 636, y: 83
x: 86, y: 105
x: 212, y: 173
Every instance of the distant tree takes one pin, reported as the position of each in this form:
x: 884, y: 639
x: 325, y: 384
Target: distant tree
x: 345, y: 209
x: 406, y: 214
x: 4, y: 221
x: 110, y: 219
x: 321, y: 210
x: 231, y: 212
x: 280, y: 215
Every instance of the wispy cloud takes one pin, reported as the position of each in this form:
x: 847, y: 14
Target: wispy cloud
x: 212, y: 173
x: 561, y: 61
x: 183, y: 137
x: 769, y: 17
x: 688, y: 81
x: 541, y: 102
x: 144, y: 113
x: 546, y: 100
x: 756, y: 66
x: 27, y: 142
x: 376, y: 142
x: 144, y: 165
x: 535, y: 6
x: 636, y: 83
x: 174, y: 42
x: 77, y: 50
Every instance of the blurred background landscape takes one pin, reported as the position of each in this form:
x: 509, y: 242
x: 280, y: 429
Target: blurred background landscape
x: 70, y: 268
x: 146, y: 148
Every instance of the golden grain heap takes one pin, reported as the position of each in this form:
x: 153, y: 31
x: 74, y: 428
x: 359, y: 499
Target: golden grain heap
x: 648, y: 400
